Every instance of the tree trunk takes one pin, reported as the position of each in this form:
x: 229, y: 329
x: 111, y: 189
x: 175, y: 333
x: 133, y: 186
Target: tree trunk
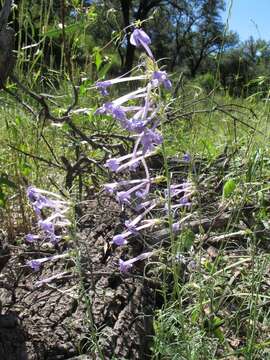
x: 7, y: 58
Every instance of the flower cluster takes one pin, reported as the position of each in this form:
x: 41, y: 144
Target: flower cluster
x: 138, y: 112
x: 51, y: 211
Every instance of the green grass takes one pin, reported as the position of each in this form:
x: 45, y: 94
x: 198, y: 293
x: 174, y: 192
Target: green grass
x: 217, y: 306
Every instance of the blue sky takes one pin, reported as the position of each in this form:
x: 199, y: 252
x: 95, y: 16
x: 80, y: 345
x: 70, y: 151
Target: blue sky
x: 249, y: 18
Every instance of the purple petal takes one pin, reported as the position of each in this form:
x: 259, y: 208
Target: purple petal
x: 124, y: 266
x: 112, y: 164
x: 138, y: 37
x: 119, y: 240
x: 186, y: 157
x: 123, y: 197
x: 30, y: 238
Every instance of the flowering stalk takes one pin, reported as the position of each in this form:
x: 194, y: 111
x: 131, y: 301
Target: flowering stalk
x: 143, y: 121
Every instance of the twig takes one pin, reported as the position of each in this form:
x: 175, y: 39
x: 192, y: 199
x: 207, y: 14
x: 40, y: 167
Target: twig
x: 36, y: 157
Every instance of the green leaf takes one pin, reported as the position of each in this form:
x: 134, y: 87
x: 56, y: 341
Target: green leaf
x: 25, y: 169
x: 104, y: 70
x: 98, y: 58
x: 69, y: 29
x: 228, y: 188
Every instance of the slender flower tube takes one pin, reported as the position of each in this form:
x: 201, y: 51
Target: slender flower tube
x: 124, y: 196
x: 114, y: 164
x: 51, y: 278
x: 179, y: 189
x: 111, y: 187
x: 125, y: 266
x: 121, y: 239
x: 30, y: 238
x: 133, y: 161
x: 141, y: 216
x: 36, y: 263
x: 111, y: 108
x: 116, y: 111
x: 103, y: 85
x: 34, y: 193
x: 144, y: 205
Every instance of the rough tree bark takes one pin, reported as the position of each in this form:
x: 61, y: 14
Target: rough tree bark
x: 7, y: 40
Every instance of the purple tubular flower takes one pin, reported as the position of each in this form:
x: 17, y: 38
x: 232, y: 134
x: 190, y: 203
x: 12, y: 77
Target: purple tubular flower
x: 112, y: 164
x: 57, y: 219
x: 125, y: 266
x: 135, y: 125
x: 115, y: 164
x: 119, y: 240
x: 51, y: 278
x: 116, y: 111
x: 30, y: 238
x: 46, y: 226
x: 54, y: 239
x: 102, y: 87
x: 36, y: 264
x: 140, y: 39
x: 131, y: 227
x: 141, y: 194
x: 161, y: 77
x: 32, y: 193
x: 123, y: 197
x: 184, y: 189
x: 185, y: 201
x: 176, y: 227
x: 38, y: 200
x: 134, y: 166
x: 110, y: 188
x: 186, y: 157
x: 149, y: 139
x: 142, y: 206
x: 39, y: 205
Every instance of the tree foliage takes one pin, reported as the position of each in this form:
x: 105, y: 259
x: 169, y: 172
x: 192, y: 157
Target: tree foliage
x: 189, y: 35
